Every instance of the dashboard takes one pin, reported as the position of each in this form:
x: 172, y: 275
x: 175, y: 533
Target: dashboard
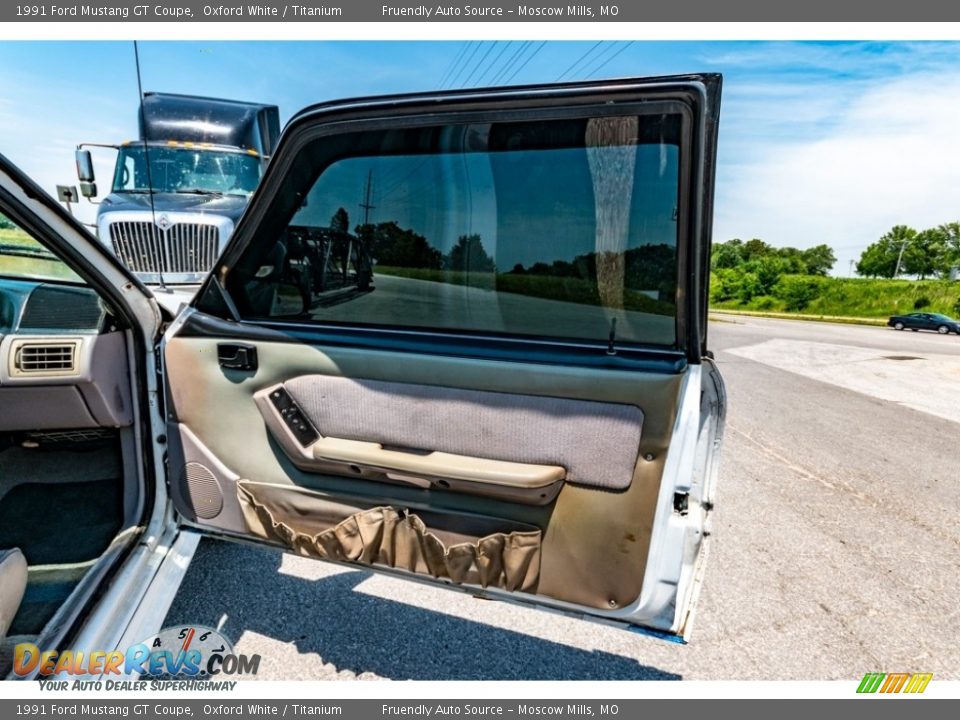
x: 29, y: 306
x: 63, y: 362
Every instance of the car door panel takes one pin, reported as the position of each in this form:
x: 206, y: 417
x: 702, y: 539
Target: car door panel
x: 462, y: 548
x: 398, y: 463
x: 524, y: 442
x: 605, y: 527
x: 543, y: 433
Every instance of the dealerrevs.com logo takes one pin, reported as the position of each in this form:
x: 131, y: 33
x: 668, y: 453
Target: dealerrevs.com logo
x: 184, y: 652
x: 888, y: 683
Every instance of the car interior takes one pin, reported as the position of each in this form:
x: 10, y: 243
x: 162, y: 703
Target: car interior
x: 68, y: 480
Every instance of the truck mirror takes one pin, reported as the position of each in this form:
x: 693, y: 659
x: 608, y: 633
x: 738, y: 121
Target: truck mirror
x: 85, y: 167
x: 88, y: 189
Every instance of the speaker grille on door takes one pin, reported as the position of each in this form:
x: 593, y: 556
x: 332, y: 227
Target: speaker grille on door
x: 201, y: 491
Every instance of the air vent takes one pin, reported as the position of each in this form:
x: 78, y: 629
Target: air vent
x: 44, y: 359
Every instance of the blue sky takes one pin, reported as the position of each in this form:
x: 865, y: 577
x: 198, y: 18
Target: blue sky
x: 820, y: 142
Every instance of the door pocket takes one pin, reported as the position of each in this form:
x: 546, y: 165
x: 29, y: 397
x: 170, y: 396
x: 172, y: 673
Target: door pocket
x: 468, y: 549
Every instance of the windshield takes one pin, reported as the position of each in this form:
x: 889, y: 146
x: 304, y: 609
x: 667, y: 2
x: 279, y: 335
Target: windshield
x: 186, y: 170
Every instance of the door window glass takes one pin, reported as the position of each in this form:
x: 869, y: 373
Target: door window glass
x: 562, y: 229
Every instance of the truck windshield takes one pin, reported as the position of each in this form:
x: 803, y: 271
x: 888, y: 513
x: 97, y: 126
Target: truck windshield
x: 186, y: 170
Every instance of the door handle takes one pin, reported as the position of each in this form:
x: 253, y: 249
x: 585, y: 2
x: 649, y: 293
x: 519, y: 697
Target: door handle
x: 237, y: 356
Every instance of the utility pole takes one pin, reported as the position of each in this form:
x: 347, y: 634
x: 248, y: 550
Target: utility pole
x: 366, y: 205
x: 903, y: 246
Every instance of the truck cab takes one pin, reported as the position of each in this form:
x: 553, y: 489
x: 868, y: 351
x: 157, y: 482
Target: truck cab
x: 177, y: 192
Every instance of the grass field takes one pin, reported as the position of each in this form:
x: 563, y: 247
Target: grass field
x: 851, y: 298
x: 564, y: 289
x: 843, y: 300
x: 17, y: 237
x: 22, y: 256
x: 843, y: 319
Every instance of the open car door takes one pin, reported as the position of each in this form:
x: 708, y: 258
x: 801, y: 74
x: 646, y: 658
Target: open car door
x: 461, y: 337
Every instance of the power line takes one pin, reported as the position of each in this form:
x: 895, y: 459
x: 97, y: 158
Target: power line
x: 394, y: 181
x: 390, y: 178
x: 579, y: 60
x: 396, y: 185
x: 494, y: 61
x: 453, y: 80
x: 601, y: 56
x: 453, y: 63
x: 530, y: 57
x: 509, y: 63
x: 480, y: 63
x: 605, y: 62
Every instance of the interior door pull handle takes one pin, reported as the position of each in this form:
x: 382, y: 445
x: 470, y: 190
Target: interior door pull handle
x: 237, y: 356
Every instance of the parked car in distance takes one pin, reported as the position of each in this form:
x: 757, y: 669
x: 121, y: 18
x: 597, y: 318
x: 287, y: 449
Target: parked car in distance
x: 925, y: 321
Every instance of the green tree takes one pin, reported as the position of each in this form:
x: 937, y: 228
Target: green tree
x: 340, y: 221
x: 880, y: 258
x: 6, y: 223
x: 725, y: 285
x: 749, y: 287
x: 727, y: 255
x: 469, y: 255
x: 766, y: 271
x: 793, y: 259
x: 393, y: 246
x: 951, y: 255
x: 755, y: 249
x: 925, y: 255
x: 797, y: 291
x: 818, y: 260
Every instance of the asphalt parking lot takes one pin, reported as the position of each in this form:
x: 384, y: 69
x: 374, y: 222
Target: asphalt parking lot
x: 836, y: 545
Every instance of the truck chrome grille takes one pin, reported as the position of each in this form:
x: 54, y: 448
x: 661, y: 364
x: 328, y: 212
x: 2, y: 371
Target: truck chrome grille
x: 180, y: 248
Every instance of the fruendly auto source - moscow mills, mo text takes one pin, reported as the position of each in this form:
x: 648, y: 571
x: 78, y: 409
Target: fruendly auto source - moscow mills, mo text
x: 427, y: 11
x: 269, y: 11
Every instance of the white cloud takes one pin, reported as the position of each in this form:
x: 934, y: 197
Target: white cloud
x: 889, y: 155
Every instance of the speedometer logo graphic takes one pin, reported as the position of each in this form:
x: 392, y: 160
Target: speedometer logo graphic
x: 182, y: 650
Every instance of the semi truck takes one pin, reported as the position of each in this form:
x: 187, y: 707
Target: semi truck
x: 177, y: 192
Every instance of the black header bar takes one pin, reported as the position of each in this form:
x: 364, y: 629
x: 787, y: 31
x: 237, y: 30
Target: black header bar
x: 481, y: 11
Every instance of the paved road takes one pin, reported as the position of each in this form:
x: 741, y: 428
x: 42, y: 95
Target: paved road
x: 837, y: 545
x: 398, y: 301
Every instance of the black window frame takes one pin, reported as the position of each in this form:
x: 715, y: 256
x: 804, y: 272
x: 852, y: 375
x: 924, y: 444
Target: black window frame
x: 282, y: 192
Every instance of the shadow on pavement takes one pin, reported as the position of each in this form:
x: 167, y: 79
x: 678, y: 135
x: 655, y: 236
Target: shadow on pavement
x: 360, y: 633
